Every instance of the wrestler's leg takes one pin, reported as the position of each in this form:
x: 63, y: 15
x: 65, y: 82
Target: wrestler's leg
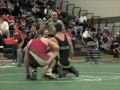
x: 26, y: 63
x: 48, y: 69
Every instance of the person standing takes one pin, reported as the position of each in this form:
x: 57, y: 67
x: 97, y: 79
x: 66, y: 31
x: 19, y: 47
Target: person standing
x: 51, y: 24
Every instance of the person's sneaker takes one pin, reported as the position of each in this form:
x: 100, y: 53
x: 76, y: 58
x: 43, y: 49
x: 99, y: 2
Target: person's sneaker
x: 74, y: 71
x: 50, y: 76
x: 34, y: 75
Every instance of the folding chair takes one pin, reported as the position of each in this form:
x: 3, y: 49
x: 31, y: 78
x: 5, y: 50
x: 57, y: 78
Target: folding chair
x: 93, y: 52
x: 10, y: 48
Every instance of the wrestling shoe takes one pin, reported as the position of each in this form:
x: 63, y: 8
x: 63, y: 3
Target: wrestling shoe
x: 50, y: 76
x: 74, y: 71
x: 34, y: 75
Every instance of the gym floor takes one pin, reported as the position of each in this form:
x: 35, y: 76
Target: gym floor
x: 101, y: 76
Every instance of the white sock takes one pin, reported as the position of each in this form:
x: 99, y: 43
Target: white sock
x: 49, y: 70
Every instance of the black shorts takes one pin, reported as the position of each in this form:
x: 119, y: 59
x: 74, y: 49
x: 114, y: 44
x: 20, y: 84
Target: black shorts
x: 33, y: 63
x: 114, y: 46
x: 36, y: 61
x: 64, y: 62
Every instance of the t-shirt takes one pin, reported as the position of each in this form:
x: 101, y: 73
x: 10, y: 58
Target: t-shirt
x: 51, y: 27
x: 115, y: 44
x: 17, y: 34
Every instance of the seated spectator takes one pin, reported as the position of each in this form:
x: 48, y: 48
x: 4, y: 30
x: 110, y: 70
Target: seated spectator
x: 83, y: 18
x: 88, y: 34
x: 115, y: 46
x: 3, y: 7
x: 18, y: 36
x: 3, y: 4
x: 104, y: 42
x: 17, y: 11
x: 90, y: 39
x: 47, y: 12
x: 52, y: 4
x: 11, y: 20
x: 4, y: 27
x: 30, y: 19
x: 46, y: 34
x: 23, y: 26
x: 77, y: 30
x: 1, y: 49
x: 33, y: 31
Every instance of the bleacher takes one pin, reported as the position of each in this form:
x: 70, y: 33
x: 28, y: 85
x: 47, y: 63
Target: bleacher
x: 97, y: 21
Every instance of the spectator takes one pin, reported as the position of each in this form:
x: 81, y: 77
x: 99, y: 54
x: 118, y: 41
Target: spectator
x: 46, y: 34
x: 52, y: 4
x: 23, y: 26
x: 115, y: 46
x: 30, y: 19
x: 77, y: 31
x: 33, y: 31
x: 105, y: 42
x: 47, y: 12
x: 88, y: 34
x: 1, y: 49
x: 4, y: 27
x: 83, y: 18
x: 3, y: 7
x: 18, y: 36
x: 17, y: 11
x: 53, y: 20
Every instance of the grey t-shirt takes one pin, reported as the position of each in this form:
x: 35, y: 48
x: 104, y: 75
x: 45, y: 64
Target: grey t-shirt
x: 51, y: 27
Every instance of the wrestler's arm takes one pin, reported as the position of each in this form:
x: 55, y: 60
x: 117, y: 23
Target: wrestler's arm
x: 53, y: 45
x: 22, y: 42
x: 53, y: 39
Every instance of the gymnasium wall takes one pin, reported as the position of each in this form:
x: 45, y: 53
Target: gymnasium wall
x: 103, y: 8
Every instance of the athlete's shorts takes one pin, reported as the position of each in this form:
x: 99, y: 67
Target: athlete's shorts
x: 36, y: 61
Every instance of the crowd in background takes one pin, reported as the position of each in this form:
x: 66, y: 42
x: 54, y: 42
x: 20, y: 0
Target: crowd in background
x: 34, y: 18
